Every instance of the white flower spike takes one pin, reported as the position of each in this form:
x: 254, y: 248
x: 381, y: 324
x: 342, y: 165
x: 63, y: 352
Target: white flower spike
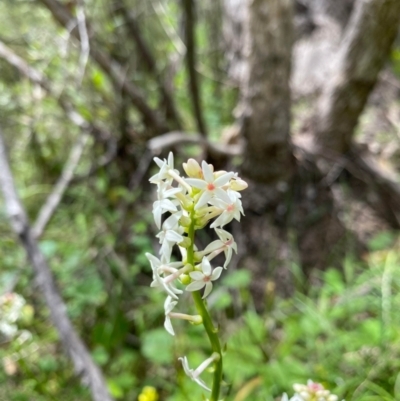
x: 191, y: 203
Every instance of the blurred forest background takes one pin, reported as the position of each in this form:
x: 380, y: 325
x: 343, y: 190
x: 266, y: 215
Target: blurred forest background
x: 300, y: 96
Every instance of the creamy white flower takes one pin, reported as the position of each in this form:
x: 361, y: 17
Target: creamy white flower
x: 226, y: 243
x: 204, y: 278
x: 211, y: 187
x: 166, y: 168
x: 160, y: 267
x: 230, y: 210
x: 163, y: 204
x: 170, y: 235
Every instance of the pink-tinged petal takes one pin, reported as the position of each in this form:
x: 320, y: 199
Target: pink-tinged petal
x: 207, y: 172
x: 204, y: 198
x: 221, y: 194
x: 224, y: 179
x: 217, y: 244
x: 198, y: 276
x: 216, y: 273
x: 208, y: 289
x: 205, y: 266
x: 195, y: 182
x: 195, y: 286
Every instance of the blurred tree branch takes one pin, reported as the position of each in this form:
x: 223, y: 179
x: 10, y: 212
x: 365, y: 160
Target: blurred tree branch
x: 111, y: 67
x: 149, y: 59
x: 83, y: 363
x: 190, y: 42
x: 66, y: 177
x: 53, y: 200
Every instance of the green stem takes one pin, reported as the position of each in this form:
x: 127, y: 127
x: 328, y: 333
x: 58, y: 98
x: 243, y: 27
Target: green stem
x: 202, y: 310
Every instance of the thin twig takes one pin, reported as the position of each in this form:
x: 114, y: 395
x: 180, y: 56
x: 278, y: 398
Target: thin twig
x: 111, y: 67
x: 84, y: 40
x: 190, y: 41
x: 74, y: 346
x: 54, y: 199
x: 149, y: 60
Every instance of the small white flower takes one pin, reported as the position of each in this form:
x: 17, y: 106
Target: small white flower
x: 170, y: 235
x: 158, y: 268
x: 166, y: 168
x: 204, y: 278
x: 230, y: 210
x: 225, y: 243
x: 194, y: 374
x: 163, y: 204
x: 211, y: 186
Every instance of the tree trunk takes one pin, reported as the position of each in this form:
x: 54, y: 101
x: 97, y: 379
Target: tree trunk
x: 364, y: 50
x: 266, y: 91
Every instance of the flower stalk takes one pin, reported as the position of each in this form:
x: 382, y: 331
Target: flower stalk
x: 191, y: 204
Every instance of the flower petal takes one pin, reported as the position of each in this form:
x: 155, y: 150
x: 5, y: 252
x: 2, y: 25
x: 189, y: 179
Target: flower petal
x: 208, y: 289
x: 217, y: 244
x: 198, y: 276
x: 224, y: 179
x: 216, y: 273
x: 205, y: 266
x: 204, y: 198
x: 207, y: 172
x: 168, y: 325
x: 195, y: 182
x: 221, y: 194
x: 195, y: 286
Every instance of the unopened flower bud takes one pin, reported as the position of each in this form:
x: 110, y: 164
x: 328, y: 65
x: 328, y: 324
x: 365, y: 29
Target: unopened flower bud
x: 196, y: 320
x: 185, y: 243
x: 193, y: 169
x: 238, y: 184
x: 185, y: 221
x: 185, y: 279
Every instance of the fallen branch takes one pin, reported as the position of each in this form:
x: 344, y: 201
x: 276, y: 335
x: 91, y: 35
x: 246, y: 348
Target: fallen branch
x: 83, y: 363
